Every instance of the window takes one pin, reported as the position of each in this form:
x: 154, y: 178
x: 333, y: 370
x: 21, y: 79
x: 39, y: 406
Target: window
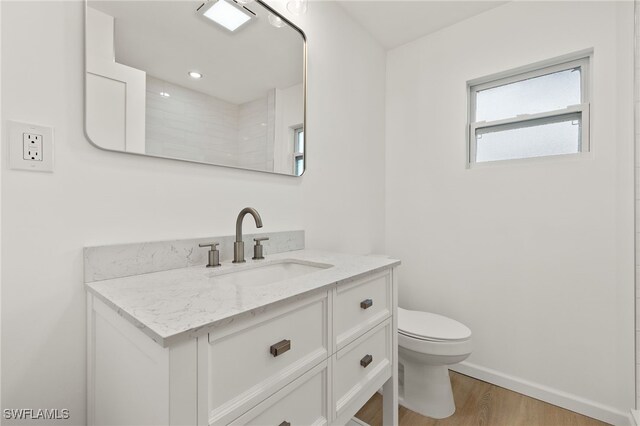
x: 530, y: 114
x: 298, y: 151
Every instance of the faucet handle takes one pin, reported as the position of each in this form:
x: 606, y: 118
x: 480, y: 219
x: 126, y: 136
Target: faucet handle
x: 213, y: 245
x: 214, y: 254
x: 257, y: 249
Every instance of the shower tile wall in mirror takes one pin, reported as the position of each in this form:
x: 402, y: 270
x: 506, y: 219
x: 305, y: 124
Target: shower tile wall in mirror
x: 218, y: 82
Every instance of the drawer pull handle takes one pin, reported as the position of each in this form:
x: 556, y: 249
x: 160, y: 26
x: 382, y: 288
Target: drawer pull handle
x: 366, y: 304
x: 280, y: 347
x: 285, y: 423
x: 366, y: 361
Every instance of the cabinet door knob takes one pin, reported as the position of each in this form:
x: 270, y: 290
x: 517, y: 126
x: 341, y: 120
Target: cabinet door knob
x: 366, y: 304
x: 285, y: 423
x: 366, y: 361
x: 280, y: 347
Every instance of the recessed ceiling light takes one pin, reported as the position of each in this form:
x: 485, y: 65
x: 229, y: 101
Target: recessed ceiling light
x: 297, y: 7
x: 164, y: 94
x: 195, y: 74
x: 276, y: 21
x: 226, y: 14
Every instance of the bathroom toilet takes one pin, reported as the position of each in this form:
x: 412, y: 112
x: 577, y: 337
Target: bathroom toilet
x: 427, y: 344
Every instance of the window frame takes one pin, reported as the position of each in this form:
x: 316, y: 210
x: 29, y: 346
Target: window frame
x: 296, y: 154
x: 582, y: 61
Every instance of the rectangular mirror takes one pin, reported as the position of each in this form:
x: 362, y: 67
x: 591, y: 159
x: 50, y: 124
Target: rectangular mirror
x: 220, y: 82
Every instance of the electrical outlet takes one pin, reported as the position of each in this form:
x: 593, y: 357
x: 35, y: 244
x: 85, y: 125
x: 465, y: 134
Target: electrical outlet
x: 30, y: 147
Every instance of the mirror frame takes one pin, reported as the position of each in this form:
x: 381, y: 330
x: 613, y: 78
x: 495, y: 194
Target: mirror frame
x: 304, y: 100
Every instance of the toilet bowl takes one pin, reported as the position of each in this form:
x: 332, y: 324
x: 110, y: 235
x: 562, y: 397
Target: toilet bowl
x: 427, y: 344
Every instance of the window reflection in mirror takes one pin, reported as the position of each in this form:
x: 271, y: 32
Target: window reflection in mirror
x: 298, y: 151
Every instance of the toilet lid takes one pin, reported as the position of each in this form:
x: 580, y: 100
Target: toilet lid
x: 428, y: 326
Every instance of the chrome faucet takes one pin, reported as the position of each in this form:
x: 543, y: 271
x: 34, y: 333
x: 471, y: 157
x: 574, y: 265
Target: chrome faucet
x: 238, y: 246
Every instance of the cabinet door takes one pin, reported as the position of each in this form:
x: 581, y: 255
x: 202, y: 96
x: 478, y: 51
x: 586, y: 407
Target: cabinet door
x: 301, y: 403
x: 251, y: 359
x: 360, y: 369
x: 360, y: 305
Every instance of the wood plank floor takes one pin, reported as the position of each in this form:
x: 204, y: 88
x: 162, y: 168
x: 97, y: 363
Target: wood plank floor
x: 480, y: 403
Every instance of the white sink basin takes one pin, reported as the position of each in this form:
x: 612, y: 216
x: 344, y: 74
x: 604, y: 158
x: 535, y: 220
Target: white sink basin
x: 269, y: 273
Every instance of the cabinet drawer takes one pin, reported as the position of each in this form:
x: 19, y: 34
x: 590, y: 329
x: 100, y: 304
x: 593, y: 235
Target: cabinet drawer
x: 246, y: 364
x: 303, y: 402
x: 359, y: 306
x: 360, y: 369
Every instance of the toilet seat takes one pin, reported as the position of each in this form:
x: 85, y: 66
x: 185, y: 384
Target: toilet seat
x: 431, y: 327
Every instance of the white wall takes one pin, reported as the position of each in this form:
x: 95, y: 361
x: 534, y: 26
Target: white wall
x: 189, y: 124
x: 255, y: 133
x: 2, y: 156
x: 289, y: 116
x: 98, y: 197
x: 637, y: 187
x: 535, y: 257
x: 115, y: 101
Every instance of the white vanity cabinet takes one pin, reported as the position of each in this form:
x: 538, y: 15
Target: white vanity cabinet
x: 311, y: 359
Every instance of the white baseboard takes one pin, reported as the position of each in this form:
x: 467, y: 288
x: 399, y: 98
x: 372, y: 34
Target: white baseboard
x: 356, y: 422
x: 552, y: 396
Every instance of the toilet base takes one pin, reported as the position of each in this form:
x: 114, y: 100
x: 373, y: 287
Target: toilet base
x: 427, y: 390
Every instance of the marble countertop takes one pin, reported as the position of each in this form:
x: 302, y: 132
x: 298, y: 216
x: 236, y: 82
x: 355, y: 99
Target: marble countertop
x: 183, y: 303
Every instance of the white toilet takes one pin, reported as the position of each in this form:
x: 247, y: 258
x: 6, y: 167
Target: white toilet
x: 427, y: 344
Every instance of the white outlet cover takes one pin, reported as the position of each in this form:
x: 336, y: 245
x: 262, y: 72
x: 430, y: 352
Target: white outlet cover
x: 17, y: 130
x: 32, y: 146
